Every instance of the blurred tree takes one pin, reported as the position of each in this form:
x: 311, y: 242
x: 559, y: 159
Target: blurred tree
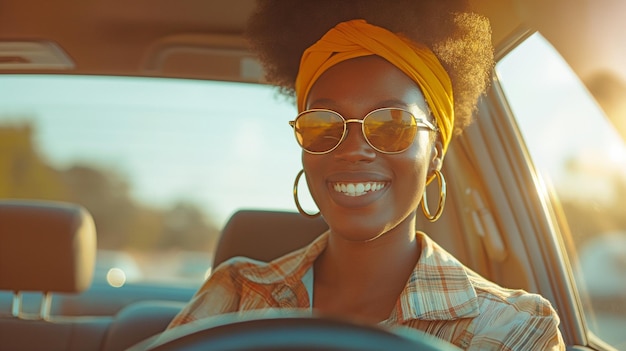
x: 23, y: 172
x: 609, y: 90
x: 590, y: 215
x: 619, y: 200
x: 105, y: 195
x: 186, y: 227
x: 122, y: 222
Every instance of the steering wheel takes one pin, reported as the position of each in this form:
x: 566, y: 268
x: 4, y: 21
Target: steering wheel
x: 299, y: 333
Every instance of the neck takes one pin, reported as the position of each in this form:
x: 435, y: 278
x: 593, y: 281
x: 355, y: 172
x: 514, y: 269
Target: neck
x: 390, y: 258
x: 365, y: 279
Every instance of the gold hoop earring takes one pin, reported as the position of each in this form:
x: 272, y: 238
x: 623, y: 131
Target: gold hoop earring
x: 442, y: 199
x: 295, y: 197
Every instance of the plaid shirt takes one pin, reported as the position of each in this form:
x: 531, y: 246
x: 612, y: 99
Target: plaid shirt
x: 442, y: 297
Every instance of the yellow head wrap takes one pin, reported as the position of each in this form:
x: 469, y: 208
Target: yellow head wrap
x: 358, y: 38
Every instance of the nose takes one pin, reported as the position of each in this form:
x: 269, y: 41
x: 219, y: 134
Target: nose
x: 354, y: 148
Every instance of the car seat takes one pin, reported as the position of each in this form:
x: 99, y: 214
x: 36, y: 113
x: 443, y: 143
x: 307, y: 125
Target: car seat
x: 47, y: 248
x: 265, y: 235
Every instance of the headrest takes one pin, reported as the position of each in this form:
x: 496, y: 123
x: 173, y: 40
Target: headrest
x: 46, y: 246
x: 266, y: 235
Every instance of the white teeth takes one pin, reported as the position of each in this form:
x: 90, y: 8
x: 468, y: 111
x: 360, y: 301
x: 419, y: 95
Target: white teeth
x: 357, y: 189
x: 360, y: 188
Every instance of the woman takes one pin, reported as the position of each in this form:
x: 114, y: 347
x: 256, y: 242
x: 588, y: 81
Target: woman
x: 380, y: 93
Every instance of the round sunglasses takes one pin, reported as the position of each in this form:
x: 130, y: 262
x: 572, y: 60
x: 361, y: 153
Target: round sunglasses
x: 387, y: 130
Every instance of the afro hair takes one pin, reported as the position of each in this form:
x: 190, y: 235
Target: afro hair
x: 279, y: 31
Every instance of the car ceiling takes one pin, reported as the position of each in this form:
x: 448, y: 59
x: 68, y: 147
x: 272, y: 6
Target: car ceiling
x: 202, y: 38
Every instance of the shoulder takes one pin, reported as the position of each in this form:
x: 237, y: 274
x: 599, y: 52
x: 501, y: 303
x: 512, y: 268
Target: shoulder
x: 493, y: 297
x: 506, y: 319
x: 513, y: 319
x: 221, y: 293
x: 231, y: 269
x: 242, y: 275
x: 236, y: 272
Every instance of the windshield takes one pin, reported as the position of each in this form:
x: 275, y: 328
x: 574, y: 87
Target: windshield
x: 160, y: 163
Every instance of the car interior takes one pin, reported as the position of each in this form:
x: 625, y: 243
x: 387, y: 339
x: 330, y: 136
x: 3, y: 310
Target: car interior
x: 501, y: 219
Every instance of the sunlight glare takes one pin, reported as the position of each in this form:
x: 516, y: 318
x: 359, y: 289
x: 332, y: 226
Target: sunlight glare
x: 116, y: 277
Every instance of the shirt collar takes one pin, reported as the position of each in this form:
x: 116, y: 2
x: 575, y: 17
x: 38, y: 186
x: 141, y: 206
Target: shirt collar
x: 439, y: 287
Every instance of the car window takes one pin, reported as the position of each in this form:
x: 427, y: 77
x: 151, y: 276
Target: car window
x: 580, y: 153
x: 160, y: 163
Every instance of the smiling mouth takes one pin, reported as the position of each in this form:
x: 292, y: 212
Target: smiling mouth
x: 358, y: 189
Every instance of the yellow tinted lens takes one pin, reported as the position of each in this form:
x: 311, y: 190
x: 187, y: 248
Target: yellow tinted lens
x: 319, y: 131
x: 390, y: 130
